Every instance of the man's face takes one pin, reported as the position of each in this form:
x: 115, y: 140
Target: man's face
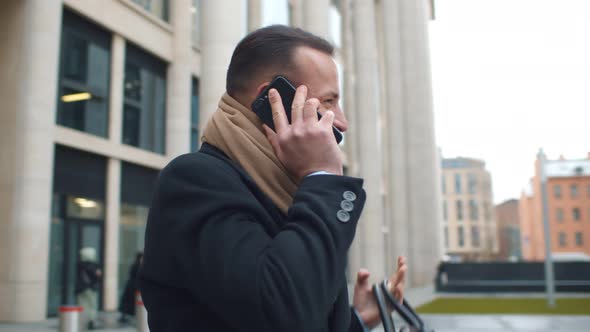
x: 317, y: 70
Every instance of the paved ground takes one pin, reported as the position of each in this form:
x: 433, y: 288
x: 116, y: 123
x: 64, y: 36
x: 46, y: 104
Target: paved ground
x: 506, y: 323
x: 440, y: 323
x: 416, y: 296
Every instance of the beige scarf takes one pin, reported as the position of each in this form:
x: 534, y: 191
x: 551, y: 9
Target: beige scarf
x: 237, y: 131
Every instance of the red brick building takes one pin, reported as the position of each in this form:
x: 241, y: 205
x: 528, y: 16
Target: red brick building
x: 568, y: 200
x: 508, y: 221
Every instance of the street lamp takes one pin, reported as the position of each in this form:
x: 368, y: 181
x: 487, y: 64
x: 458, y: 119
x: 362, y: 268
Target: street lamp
x: 549, y: 279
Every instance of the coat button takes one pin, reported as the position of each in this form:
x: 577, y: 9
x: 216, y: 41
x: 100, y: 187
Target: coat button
x: 349, y: 195
x: 343, y: 216
x: 346, y: 205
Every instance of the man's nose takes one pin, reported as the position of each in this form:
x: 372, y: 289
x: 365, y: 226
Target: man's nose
x: 340, y: 121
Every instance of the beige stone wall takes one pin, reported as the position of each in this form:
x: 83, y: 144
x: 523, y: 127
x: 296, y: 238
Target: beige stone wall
x: 28, y: 61
x: 485, y: 221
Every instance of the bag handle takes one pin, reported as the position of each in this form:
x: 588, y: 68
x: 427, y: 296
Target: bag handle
x: 386, y: 319
x: 404, y: 309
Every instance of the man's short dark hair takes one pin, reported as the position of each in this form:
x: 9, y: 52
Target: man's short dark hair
x: 267, y: 50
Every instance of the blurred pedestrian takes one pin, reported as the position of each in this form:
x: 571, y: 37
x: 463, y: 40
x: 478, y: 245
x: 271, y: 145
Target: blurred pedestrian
x: 88, y: 279
x: 127, y: 304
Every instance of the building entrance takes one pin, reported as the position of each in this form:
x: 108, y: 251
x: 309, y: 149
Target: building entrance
x: 77, y: 220
x: 69, y: 234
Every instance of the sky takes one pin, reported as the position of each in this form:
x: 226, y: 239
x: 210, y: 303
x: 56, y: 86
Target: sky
x: 509, y: 77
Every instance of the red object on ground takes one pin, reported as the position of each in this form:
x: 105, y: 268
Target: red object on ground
x: 70, y: 308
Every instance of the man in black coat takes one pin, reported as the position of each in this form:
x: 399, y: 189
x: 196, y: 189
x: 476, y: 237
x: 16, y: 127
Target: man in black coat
x: 251, y: 233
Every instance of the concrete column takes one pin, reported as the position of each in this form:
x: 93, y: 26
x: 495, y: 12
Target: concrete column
x: 351, y: 137
x: 254, y: 15
x: 394, y: 137
x: 113, y: 185
x: 220, y: 33
x: 316, y: 17
x: 415, y: 171
x: 116, y: 89
x: 30, y: 31
x: 367, y: 100
x: 296, y: 13
x: 113, y: 215
x: 178, y: 112
x: 389, y: 258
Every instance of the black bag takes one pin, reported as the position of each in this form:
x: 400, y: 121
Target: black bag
x: 405, y: 310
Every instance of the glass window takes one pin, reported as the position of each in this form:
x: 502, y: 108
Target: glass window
x: 446, y: 232
x: 445, y: 210
x: 459, y: 206
x: 461, y: 236
x: 84, y: 208
x: 144, y: 109
x: 557, y: 191
x: 579, y: 239
x: 475, y: 236
x: 137, y: 186
x: 457, y: 183
x: 559, y: 215
x: 159, y: 8
x: 487, y: 211
x: 83, y: 96
x: 131, y: 238
x: 576, y: 214
x: 562, y: 239
x: 574, y: 191
x: 471, y: 182
x: 473, y: 211
x: 196, y: 34
x: 443, y: 183
x: 195, y: 115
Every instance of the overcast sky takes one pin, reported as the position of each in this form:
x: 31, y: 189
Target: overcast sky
x: 509, y: 77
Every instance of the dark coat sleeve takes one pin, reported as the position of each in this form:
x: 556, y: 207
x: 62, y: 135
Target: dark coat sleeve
x: 210, y: 235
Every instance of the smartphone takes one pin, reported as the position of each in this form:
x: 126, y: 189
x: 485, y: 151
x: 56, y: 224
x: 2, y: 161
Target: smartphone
x: 261, y: 105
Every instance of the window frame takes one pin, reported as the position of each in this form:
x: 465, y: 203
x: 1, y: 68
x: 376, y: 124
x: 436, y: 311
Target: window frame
x: 76, y: 26
x: 576, y: 214
x: 574, y: 192
x: 559, y: 215
x: 562, y: 239
x: 459, y: 210
x: 458, y: 183
x: 143, y: 60
x: 557, y: 191
x: 475, y: 236
x: 473, y: 210
x: 579, y: 239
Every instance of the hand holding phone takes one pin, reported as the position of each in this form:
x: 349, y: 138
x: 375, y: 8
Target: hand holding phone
x: 306, y: 145
x: 261, y: 105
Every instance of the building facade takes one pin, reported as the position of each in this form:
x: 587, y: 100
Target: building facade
x: 99, y: 95
x: 469, y: 223
x: 568, y: 210
x: 508, y: 220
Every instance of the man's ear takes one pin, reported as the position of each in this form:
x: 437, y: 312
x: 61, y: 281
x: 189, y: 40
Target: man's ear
x: 261, y: 87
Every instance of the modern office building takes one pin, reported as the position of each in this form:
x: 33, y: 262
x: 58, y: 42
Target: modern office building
x: 469, y: 223
x: 508, y: 220
x: 98, y: 95
x: 568, y: 208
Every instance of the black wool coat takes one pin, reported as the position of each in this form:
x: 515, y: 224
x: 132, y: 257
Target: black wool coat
x: 220, y: 256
